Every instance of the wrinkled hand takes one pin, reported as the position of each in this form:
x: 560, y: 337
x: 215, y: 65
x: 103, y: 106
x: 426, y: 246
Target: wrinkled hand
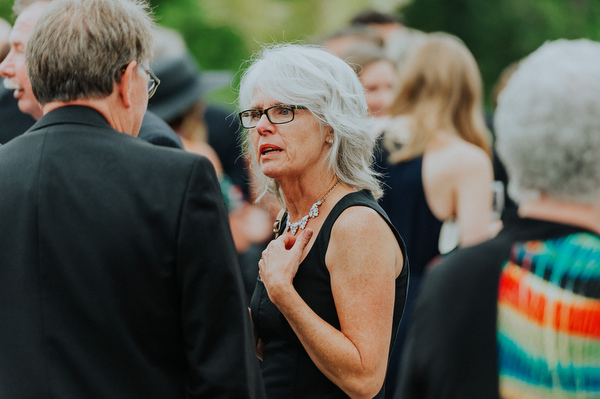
x: 279, y: 263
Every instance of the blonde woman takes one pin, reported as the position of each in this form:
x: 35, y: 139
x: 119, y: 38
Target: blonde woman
x: 438, y: 165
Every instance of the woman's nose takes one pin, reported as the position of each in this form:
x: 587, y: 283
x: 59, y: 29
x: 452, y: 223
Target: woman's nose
x: 263, y: 124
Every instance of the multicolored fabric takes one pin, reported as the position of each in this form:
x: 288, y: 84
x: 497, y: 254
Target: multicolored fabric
x: 549, y: 319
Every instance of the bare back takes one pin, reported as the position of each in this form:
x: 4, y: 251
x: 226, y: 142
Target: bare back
x: 457, y: 179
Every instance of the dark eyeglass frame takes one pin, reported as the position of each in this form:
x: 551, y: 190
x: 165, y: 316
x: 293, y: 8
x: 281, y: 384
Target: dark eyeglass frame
x: 153, y: 80
x: 265, y: 111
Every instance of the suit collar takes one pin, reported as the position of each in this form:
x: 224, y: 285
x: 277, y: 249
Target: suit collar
x: 72, y: 114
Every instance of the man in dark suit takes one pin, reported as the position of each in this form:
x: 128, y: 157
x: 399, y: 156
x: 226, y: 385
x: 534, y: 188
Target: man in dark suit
x: 118, y: 273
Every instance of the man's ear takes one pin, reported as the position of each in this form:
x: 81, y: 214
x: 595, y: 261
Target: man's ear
x: 125, y: 86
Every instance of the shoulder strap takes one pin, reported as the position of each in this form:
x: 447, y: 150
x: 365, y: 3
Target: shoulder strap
x: 279, y: 225
x: 359, y: 198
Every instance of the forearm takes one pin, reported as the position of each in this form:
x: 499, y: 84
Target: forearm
x: 334, y: 354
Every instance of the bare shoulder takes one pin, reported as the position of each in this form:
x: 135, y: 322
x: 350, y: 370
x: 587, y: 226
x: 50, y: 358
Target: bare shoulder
x: 459, y: 156
x: 357, y: 221
x: 467, y: 152
x: 359, y: 233
x: 472, y: 155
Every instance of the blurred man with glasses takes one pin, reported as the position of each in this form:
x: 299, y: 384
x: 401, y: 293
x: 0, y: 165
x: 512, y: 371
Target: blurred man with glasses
x: 118, y: 273
x: 18, y: 88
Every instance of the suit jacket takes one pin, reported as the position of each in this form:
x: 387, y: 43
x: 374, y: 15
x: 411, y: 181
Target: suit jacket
x: 158, y: 132
x: 118, y: 273
x: 13, y: 123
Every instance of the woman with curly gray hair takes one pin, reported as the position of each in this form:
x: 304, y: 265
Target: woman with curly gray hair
x: 332, y: 285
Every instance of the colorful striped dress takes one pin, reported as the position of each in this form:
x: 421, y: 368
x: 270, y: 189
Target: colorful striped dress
x: 549, y: 319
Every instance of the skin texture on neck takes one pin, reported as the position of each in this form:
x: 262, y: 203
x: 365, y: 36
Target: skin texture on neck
x: 300, y: 197
x: 572, y: 213
x: 103, y: 107
x: 124, y: 108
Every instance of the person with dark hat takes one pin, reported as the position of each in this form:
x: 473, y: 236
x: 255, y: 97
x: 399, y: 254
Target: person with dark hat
x: 213, y: 132
x: 205, y: 129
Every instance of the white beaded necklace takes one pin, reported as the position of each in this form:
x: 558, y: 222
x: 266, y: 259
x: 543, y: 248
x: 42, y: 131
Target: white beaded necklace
x: 313, y: 213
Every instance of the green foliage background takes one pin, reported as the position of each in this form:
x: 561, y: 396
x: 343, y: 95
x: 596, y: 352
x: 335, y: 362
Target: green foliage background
x: 6, y: 10
x: 499, y: 32
x: 222, y: 34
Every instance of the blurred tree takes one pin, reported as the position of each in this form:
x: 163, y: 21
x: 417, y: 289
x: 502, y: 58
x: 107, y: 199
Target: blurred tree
x: 222, y: 34
x: 499, y: 32
x: 214, y: 45
x: 205, y: 40
x: 267, y: 21
x: 6, y: 10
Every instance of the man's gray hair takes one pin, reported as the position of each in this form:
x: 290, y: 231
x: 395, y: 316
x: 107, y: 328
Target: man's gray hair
x: 548, y: 123
x: 79, y: 48
x: 310, y: 76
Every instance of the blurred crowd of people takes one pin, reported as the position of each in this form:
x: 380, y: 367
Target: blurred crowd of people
x: 447, y: 251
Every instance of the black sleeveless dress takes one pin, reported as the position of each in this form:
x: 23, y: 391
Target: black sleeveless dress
x: 288, y: 371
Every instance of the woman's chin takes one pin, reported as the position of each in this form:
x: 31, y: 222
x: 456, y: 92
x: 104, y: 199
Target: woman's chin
x: 270, y: 171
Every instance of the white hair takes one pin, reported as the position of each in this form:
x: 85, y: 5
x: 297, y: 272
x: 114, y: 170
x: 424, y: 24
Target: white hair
x: 548, y: 123
x: 310, y: 76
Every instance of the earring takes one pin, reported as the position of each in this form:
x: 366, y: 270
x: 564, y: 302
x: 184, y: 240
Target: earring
x: 330, y: 141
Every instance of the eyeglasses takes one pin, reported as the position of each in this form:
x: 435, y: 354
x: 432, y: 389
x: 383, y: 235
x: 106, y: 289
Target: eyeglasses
x: 277, y: 115
x: 153, y: 80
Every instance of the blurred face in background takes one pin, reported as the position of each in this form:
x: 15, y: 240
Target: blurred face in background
x: 378, y: 79
x: 13, y: 67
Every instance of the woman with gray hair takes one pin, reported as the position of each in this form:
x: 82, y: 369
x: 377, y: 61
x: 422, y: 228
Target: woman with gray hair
x: 557, y: 158
x: 332, y: 285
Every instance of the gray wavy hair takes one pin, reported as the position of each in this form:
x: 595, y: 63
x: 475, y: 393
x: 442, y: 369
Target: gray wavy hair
x: 548, y: 123
x: 78, y: 47
x: 310, y: 76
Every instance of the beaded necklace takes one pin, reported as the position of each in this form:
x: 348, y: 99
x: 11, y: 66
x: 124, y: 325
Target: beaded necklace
x: 313, y: 213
